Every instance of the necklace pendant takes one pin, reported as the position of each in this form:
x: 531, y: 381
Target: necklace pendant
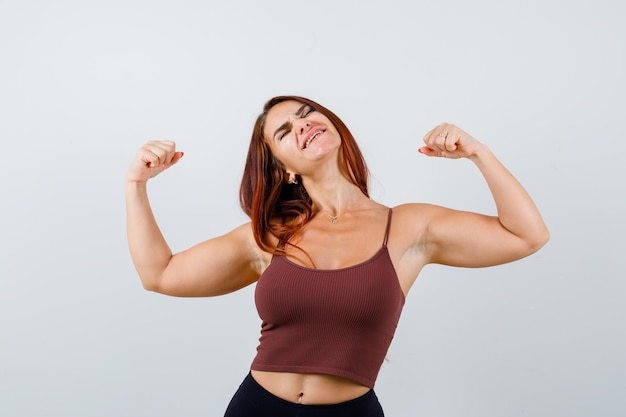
x: 333, y: 220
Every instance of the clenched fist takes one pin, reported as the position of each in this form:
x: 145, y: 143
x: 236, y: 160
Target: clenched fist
x: 449, y: 141
x: 152, y: 158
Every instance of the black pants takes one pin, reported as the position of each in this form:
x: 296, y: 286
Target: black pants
x: 252, y: 400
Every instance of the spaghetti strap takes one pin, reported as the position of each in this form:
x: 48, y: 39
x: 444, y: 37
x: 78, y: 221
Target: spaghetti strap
x: 388, y: 227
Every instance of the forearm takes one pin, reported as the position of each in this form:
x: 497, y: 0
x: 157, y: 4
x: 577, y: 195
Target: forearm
x: 516, y: 210
x: 148, y: 248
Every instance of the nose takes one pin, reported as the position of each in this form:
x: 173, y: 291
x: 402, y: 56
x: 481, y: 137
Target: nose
x: 301, y: 126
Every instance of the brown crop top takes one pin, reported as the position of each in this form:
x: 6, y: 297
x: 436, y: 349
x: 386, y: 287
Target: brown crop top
x: 337, y: 322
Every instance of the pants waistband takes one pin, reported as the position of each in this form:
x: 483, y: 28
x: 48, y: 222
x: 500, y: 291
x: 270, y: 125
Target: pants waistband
x: 258, y: 398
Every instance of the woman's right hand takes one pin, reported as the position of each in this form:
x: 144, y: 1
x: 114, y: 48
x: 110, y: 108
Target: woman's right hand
x: 152, y: 158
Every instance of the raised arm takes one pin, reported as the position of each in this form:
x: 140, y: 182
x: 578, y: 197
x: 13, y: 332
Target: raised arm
x: 468, y: 239
x: 217, y: 266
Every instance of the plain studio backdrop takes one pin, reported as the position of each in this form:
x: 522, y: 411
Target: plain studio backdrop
x: 83, y: 84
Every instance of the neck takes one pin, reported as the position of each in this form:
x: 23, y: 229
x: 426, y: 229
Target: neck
x: 335, y: 198
x: 331, y: 192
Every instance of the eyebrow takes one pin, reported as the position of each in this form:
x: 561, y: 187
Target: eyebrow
x: 287, y: 123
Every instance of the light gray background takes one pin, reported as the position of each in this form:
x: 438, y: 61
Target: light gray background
x: 83, y: 84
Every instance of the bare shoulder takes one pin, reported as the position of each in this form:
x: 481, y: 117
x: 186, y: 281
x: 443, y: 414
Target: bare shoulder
x: 418, y: 216
x: 415, y: 216
x: 243, y: 237
x: 241, y: 244
x: 410, y: 223
x: 407, y: 240
x: 414, y: 208
x: 420, y: 223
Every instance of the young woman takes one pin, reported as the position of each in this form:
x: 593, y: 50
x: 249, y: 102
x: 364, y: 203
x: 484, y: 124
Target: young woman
x: 332, y: 266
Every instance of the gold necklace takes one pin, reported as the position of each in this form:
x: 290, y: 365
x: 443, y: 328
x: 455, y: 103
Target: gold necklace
x: 332, y: 219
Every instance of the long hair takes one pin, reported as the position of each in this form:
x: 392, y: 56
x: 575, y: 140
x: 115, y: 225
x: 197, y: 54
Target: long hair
x: 275, y: 207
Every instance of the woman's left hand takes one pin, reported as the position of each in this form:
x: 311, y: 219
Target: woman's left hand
x: 449, y: 141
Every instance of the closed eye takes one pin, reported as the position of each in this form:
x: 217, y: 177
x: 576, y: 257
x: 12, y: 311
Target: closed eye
x: 308, y: 110
x: 303, y: 114
x: 283, y: 130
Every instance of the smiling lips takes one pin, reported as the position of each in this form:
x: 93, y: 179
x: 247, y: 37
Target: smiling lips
x: 312, y: 137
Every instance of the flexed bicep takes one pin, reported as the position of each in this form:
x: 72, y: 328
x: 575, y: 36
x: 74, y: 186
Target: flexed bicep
x: 465, y: 239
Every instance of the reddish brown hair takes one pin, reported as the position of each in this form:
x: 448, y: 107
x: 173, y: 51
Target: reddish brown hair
x: 275, y: 207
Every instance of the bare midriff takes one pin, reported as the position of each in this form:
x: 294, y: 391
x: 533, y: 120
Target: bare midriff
x: 312, y: 389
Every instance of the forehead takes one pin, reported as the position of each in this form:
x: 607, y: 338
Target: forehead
x: 279, y: 114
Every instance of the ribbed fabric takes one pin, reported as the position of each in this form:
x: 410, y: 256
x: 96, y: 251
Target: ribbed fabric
x: 337, y: 322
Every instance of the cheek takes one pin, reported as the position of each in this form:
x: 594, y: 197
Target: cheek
x: 280, y: 154
x: 274, y: 145
x: 281, y: 148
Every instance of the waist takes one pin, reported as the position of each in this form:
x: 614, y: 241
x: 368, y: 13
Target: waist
x: 308, y: 388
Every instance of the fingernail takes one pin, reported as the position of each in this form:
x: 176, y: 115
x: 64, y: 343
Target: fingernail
x: 182, y: 154
x: 420, y: 150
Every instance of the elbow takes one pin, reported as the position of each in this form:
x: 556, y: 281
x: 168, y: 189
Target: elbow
x: 544, y: 237
x: 153, y: 277
x: 152, y: 285
x: 538, y: 240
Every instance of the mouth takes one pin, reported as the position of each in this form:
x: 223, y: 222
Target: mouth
x: 312, y: 137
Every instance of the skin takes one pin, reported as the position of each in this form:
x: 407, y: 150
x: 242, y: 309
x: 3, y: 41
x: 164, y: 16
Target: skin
x: 420, y: 233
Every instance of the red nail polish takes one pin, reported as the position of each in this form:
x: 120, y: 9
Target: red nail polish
x: 182, y: 154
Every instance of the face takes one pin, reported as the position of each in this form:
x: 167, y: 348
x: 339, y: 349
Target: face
x: 299, y: 136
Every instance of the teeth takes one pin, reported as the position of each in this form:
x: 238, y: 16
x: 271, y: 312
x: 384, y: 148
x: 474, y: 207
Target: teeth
x: 306, y: 145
